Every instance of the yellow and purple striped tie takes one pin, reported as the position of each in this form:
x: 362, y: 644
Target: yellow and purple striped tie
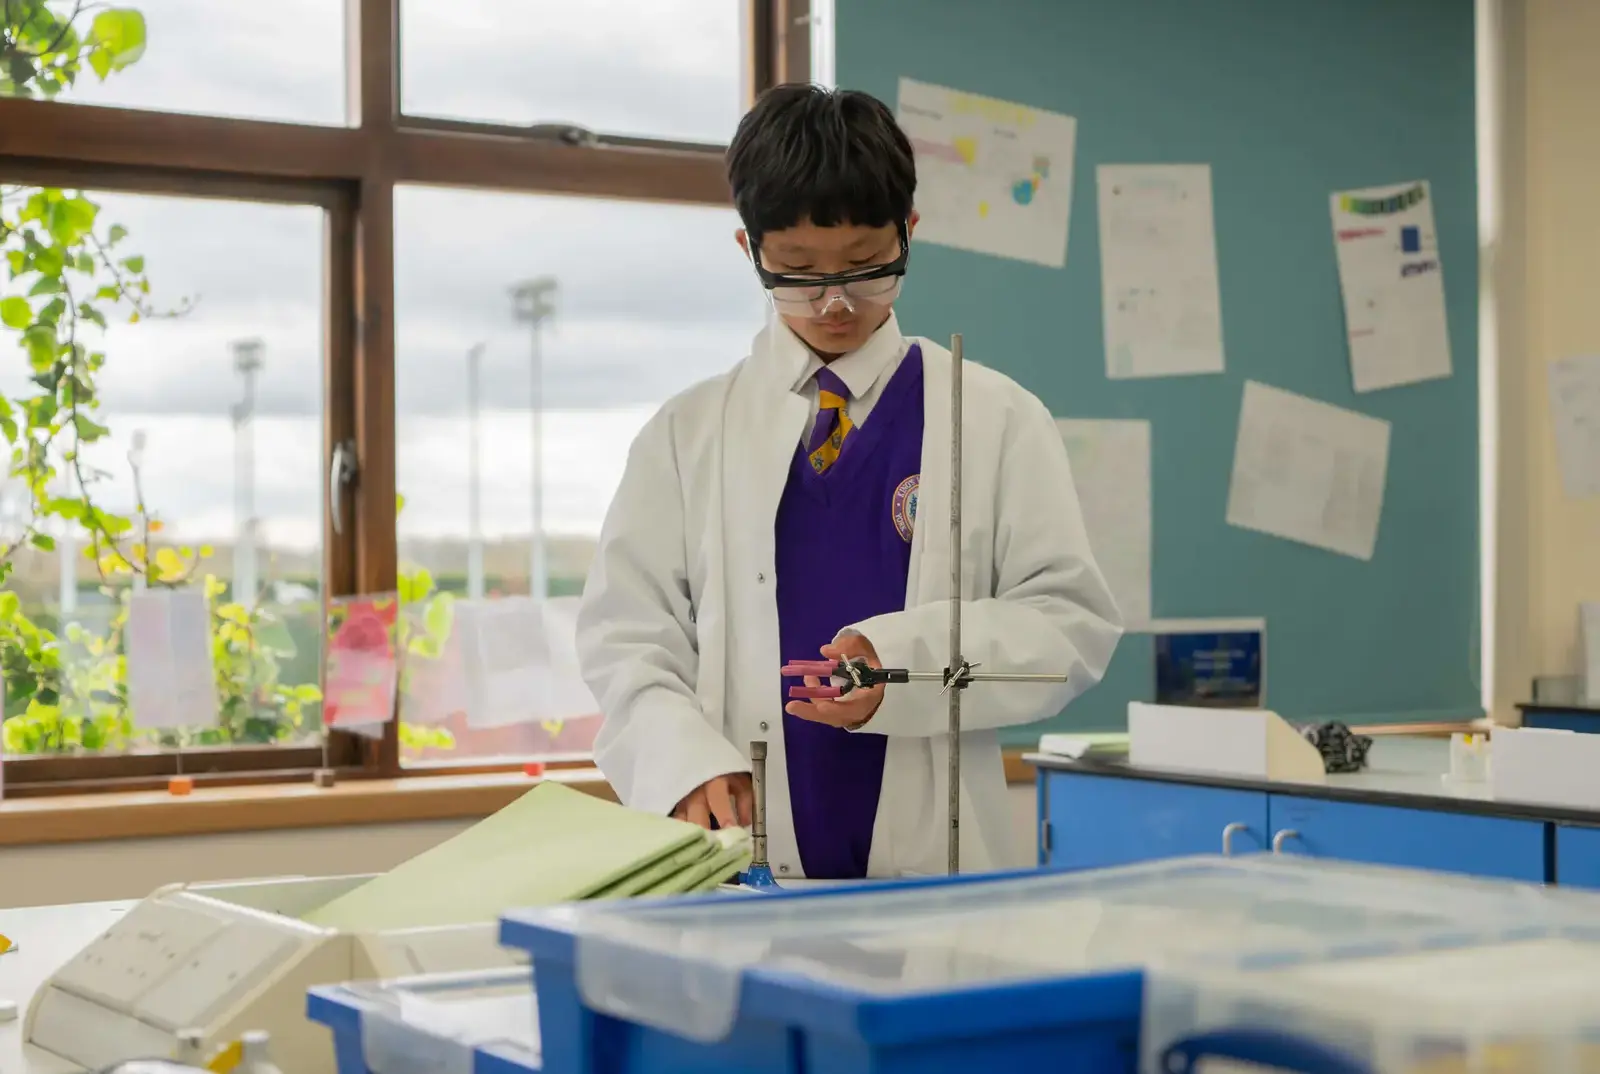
x: 833, y: 422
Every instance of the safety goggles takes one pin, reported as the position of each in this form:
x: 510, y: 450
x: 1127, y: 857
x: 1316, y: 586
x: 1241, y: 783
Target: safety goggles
x: 814, y: 295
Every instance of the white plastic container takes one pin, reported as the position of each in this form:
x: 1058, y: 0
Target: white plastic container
x: 1522, y: 1001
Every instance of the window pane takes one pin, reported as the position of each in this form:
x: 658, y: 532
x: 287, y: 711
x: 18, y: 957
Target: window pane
x: 636, y: 302
x: 670, y: 69
x: 207, y: 388
x: 279, y: 61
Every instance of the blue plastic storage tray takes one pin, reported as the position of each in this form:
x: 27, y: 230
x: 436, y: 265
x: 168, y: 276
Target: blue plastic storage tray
x: 440, y: 1024
x: 990, y: 973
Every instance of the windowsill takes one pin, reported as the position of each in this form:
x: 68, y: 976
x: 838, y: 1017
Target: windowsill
x: 88, y: 818
x: 83, y: 818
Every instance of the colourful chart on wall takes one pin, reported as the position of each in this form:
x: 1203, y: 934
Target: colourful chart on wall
x: 992, y: 176
x: 363, y: 671
x: 1393, y: 285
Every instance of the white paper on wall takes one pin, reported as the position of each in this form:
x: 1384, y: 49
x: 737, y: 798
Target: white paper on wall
x: 1308, y: 471
x: 1589, y: 643
x: 1575, y: 410
x: 1393, y: 285
x: 519, y: 660
x: 993, y: 176
x: 1158, y: 270
x: 171, y: 677
x: 1111, y: 471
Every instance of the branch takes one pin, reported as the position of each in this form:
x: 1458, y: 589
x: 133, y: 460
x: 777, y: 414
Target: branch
x: 66, y: 27
x: 123, y: 291
x: 28, y: 529
x: 91, y: 522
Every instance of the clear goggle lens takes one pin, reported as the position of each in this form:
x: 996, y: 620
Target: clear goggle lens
x: 824, y: 298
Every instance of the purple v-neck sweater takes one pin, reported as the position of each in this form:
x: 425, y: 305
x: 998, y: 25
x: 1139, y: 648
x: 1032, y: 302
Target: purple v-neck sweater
x: 843, y: 552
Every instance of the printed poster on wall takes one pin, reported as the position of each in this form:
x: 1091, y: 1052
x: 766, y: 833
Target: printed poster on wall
x: 993, y: 177
x: 1393, y: 285
x: 362, y: 671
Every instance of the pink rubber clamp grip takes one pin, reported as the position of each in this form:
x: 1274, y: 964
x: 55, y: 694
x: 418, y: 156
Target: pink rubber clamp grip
x: 821, y: 669
x: 814, y: 693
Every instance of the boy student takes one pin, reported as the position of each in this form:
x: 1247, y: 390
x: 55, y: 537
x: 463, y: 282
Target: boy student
x: 783, y: 509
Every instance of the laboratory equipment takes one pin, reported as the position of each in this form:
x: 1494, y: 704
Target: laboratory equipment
x: 758, y: 876
x: 256, y: 1049
x: 1469, y: 758
x: 952, y: 973
x: 844, y: 676
x: 1468, y: 1001
x: 222, y: 960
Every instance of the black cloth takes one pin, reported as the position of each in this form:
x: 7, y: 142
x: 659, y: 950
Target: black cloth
x: 1342, y: 749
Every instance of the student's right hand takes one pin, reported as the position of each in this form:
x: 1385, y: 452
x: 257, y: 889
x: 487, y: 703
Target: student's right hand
x: 730, y: 799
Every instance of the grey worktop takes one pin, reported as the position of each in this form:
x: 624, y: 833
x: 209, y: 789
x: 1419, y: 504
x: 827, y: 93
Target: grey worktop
x: 1403, y: 770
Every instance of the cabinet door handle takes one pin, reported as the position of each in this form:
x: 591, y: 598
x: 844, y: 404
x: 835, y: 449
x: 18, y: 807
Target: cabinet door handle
x: 1282, y: 836
x: 1227, y: 836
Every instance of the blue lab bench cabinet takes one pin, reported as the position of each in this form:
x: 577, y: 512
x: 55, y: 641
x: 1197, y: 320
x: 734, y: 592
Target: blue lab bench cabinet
x: 789, y: 1024
x: 1092, y: 821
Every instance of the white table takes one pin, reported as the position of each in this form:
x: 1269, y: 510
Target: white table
x: 46, y: 936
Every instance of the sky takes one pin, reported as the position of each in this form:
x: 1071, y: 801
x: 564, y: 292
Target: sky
x: 652, y: 298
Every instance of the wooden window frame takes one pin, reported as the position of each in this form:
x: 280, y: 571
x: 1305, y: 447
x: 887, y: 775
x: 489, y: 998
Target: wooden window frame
x: 351, y: 172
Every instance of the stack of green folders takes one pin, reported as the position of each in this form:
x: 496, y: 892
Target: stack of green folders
x: 552, y: 845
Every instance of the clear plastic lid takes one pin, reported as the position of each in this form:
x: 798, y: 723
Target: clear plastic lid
x: 1525, y: 1003
x: 424, y: 1025
x: 679, y: 967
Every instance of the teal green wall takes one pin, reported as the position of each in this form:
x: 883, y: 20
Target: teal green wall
x: 1288, y: 100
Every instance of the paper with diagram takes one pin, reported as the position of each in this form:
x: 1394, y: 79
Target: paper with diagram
x: 1111, y: 471
x: 1393, y: 285
x: 1158, y: 270
x: 519, y: 660
x: 1308, y: 471
x: 1575, y: 409
x: 993, y: 177
x: 172, y: 682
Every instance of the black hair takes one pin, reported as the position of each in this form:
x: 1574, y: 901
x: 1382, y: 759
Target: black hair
x: 828, y: 156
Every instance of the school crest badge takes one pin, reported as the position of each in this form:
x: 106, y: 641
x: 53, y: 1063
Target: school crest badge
x: 904, y: 507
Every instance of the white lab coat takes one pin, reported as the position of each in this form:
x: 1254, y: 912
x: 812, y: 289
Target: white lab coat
x: 678, y: 630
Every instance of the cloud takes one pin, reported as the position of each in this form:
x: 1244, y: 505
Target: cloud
x: 195, y: 494
x: 666, y: 68
x: 652, y: 298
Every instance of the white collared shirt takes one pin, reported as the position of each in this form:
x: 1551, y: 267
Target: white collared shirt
x: 864, y: 371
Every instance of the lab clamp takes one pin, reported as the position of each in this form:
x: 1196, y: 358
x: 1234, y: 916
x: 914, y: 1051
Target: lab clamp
x: 825, y: 679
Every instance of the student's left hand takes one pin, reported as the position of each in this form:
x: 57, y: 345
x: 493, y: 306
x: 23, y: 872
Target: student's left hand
x: 853, y: 709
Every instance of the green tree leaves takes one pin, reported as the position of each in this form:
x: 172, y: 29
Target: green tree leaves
x: 15, y: 312
x: 116, y: 40
x: 44, y: 51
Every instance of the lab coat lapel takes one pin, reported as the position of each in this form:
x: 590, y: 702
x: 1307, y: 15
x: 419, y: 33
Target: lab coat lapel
x: 763, y: 425
x: 929, y: 570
